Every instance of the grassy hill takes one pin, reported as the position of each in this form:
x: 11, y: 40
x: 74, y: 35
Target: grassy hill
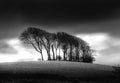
x: 54, y: 70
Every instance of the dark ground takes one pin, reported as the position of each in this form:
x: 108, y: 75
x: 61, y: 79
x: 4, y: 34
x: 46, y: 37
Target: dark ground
x: 22, y: 74
x: 51, y: 78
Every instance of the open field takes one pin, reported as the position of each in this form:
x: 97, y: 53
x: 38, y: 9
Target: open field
x: 55, y: 72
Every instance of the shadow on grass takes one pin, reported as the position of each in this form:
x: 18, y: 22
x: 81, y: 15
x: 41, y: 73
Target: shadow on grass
x: 51, y: 78
x: 33, y: 78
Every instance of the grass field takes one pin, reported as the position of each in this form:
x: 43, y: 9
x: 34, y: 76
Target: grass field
x: 56, y: 72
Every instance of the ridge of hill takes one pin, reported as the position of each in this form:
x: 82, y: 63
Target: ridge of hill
x: 63, y: 68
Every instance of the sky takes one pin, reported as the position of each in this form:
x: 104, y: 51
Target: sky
x: 95, y: 21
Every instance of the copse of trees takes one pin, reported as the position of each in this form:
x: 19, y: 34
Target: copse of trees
x: 72, y: 47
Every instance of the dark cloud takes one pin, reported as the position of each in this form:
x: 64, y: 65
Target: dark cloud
x: 6, y: 49
x: 59, y: 15
x: 67, y: 10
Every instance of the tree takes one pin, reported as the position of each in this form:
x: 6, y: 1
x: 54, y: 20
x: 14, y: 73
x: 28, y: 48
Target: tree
x: 55, y: 45
x: 63, y: 42
x: 52, y: 40
x: 47, y: 43
x: 33, y: 37
x: 59, y: 37
x: 76, y: 44
x: 87, y: 54
x: 38, y: 38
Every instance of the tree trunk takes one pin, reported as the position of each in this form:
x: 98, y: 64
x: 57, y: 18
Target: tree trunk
x: 70, y: 56
x: 77, y: 54
x: 42, y: 56
x: 56, y: 53
x: 65, y: 55
x: 53, y: 52
x: 83, y: 56
x: 59, y: 53
x: 48, y: 52
x: 49, y: 58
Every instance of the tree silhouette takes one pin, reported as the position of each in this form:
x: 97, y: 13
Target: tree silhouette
x: 53, y: 44
x: 38, y: 38
x: 63, y: 42
x: 47, y: 44
x: 73, y: 48
x: 33, y: 37
x: 87, y: 53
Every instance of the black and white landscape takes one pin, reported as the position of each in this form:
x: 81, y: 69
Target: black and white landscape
x: 59, y: 41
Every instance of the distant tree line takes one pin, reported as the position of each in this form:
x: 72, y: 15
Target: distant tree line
x: 72, y: 47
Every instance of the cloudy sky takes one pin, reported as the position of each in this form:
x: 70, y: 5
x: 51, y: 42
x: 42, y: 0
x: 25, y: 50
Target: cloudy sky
x: 95, y: 21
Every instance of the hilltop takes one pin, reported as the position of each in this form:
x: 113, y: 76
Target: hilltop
x: 72, y: 69
x: 54, y: 70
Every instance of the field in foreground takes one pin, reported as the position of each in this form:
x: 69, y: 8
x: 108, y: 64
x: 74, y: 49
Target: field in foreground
x: 56, y: 72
